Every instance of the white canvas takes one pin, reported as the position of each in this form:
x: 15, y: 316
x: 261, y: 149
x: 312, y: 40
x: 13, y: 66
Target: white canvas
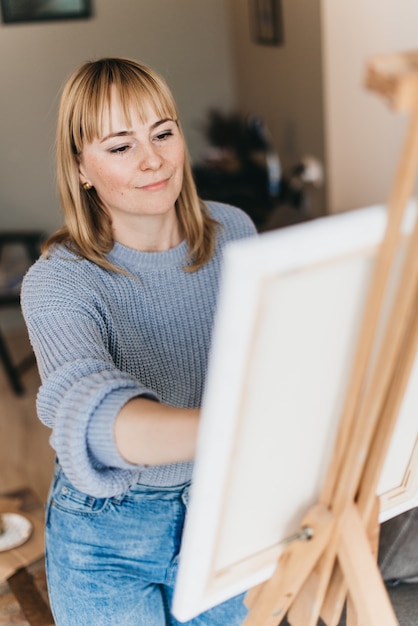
x: 290, y: 310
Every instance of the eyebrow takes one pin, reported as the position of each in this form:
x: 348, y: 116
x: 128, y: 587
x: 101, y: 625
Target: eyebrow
x: 129, y: 133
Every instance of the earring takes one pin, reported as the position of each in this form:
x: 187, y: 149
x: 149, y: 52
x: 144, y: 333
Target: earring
x: 86, y: 186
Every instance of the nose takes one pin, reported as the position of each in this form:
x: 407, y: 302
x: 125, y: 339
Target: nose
x: 149, y: 158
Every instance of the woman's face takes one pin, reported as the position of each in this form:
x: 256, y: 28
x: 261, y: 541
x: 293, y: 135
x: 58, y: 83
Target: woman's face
x: 136, y: 169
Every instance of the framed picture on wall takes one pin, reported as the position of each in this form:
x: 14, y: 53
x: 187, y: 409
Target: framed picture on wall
x: 266, y: 18
x: 42, y: 10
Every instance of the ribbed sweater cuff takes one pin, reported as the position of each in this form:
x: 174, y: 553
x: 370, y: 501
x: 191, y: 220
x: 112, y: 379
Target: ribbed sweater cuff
x: 100, y: 433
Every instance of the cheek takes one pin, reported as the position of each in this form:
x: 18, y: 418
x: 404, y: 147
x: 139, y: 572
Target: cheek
x: 182, y: 155
x: 108, y: 180
x: 100, y: 174
x: 179, y: 163
x: 179, y: 176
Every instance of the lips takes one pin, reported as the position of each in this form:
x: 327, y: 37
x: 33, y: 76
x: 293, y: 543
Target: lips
x: 157, y: 186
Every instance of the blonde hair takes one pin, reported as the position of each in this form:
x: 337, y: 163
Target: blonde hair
x: 84, y: 99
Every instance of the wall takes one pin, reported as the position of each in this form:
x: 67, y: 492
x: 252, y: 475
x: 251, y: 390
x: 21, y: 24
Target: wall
x: 185, y: 40
x: 364, y: 137
x: 283, y: 84
x: 311, y: 91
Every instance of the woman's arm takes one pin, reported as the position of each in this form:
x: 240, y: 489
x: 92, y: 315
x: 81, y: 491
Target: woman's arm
x: 150, y: 433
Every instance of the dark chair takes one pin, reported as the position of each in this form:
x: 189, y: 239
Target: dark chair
x: 10, y: 296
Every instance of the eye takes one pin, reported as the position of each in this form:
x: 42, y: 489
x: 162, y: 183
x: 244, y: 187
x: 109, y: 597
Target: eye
x: 164, y: 135
x: 119, y: 150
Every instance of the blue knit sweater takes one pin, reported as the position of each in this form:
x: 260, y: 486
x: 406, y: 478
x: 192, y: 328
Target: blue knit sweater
x: 102, y: 338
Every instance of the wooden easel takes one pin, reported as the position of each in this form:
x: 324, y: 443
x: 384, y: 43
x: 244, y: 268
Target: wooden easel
x: 314, y: 578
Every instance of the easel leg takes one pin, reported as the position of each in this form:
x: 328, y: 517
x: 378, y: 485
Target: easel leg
x: 337, y: 591
x: 352, y: 618
x: 360, y: 570
x: 306, y: 608
x: 269, y: 602
x: 335, y: 598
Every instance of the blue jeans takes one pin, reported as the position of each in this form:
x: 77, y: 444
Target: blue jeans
x: 113, y: 561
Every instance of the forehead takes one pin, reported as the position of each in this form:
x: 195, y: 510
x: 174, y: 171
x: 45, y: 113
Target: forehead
x: 122, y: 107
x: 117, y: 114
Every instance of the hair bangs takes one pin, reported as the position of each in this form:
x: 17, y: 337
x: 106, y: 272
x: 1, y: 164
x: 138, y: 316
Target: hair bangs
x: 134, y: 86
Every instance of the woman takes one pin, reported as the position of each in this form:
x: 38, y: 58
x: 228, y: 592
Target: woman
x: 120, y: 311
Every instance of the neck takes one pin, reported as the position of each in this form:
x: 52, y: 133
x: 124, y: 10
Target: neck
x: 149, y: 234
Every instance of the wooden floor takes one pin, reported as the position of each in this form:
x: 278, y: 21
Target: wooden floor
x: 26, y: 459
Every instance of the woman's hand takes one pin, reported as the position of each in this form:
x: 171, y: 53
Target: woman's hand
x: 150, y: 433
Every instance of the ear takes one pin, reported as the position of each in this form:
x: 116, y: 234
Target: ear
x: 81, y: 175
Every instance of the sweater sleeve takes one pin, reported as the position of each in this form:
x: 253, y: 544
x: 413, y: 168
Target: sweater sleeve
x: 82, y: 390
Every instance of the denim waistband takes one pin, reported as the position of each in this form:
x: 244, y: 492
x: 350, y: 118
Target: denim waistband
x: 139, y: 487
